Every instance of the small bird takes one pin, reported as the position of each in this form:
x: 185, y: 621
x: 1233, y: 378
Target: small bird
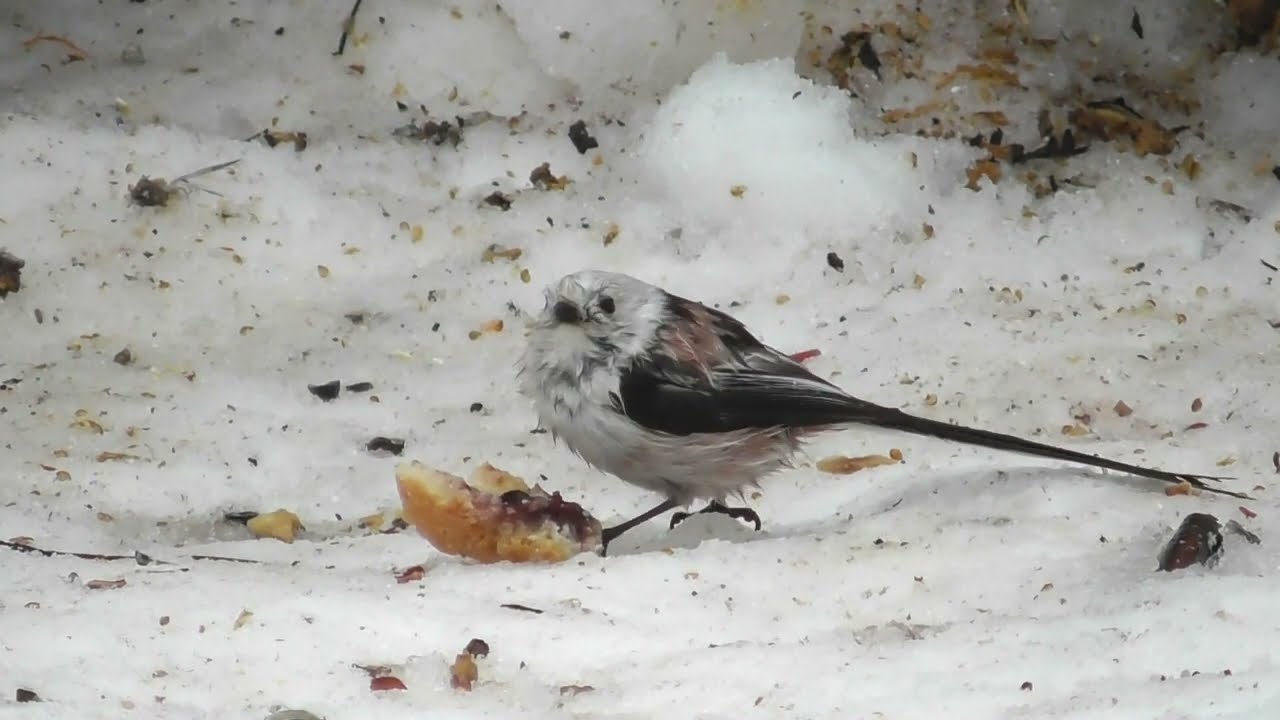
x: 678, y: 398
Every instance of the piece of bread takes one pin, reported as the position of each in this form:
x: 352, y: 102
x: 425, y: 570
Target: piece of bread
x: 495, y: 517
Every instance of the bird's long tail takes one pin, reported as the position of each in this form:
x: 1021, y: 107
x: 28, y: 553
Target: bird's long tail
x: 891, y: 418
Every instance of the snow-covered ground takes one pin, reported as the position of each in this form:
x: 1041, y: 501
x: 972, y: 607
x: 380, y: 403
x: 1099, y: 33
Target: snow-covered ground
x: 960, y: 584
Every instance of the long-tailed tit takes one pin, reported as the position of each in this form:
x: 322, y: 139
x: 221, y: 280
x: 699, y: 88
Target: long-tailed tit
x: 679, y: 398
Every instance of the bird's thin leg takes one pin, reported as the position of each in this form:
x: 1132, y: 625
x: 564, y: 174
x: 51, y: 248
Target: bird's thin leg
x: 745, y: 514
x: 610, y: 534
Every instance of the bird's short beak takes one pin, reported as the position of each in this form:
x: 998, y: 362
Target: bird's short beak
x: 566, y: 312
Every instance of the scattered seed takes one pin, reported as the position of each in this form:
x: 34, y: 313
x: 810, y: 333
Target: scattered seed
x: 1197, y: 540
x: 322, y: 271
x: 414, y: 573
x: 495, y: 252
x: 386, y: 682
x: 806, y: 355
x: 737, y: 190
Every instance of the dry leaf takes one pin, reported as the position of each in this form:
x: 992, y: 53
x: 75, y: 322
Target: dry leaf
x: 107, y: 455
x: 281, y: 525
x: 242, y: 619
x: 989, y: 169
x: 1182, y: 488
x: 464, y: 673
x: 1122, y: 409
x: 844, y: 465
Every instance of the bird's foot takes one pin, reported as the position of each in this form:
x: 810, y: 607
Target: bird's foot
x: 744, y: 514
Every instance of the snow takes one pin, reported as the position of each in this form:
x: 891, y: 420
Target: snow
x: 934, y: 588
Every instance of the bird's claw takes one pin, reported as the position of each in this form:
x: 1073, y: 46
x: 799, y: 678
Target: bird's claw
x: 744, y: 514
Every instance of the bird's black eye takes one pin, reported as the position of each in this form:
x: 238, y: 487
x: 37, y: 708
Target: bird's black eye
x: 565, y: 312
x: 606, y: 305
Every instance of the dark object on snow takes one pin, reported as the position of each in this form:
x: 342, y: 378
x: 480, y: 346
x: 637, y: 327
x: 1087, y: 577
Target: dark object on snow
x: 24, y: 695
x: 582, y: 139
x: 381, y: 444
x: 240, y: 516
x: 1197, y: 540
x: 360, y: 387
x: 326, y: 391
x: 498, y: 200
x: 835, y: 261
x: 10, y: 273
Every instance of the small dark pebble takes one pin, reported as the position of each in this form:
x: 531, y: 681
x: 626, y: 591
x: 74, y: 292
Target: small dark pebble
x: 240, y: 516
x: 10, y: 273
x: 360, y: 387
x: 476, y: 407
x: 395, y: 446
x: 498, y: 200
x: 1197, y: 540
x: 279, y: 31
x: 25, y: 696
x: 580, y: 138
x: 124, y: 357
x: 1136, y: 24
x: 326, y: 391
x: 477, y: 648
x: 868, y: 57
x: 1027, y: 686
x: 253, y: 461
x: 1276, y: 171
x: 142, y: 558
x: 835, y: 261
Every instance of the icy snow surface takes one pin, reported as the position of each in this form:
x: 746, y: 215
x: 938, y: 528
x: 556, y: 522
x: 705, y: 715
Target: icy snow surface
x: 959, y: 584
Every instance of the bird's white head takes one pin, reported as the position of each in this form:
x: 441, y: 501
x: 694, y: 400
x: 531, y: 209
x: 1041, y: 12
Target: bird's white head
x: 593, y: 319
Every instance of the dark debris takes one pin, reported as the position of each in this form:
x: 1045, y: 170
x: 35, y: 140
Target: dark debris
x: 380, y: 444
x: 326, y: 391
x: 581, y: 139
x: 10, y: 273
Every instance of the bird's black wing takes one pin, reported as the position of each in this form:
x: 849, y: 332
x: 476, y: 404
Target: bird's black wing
x: 760, y: 388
